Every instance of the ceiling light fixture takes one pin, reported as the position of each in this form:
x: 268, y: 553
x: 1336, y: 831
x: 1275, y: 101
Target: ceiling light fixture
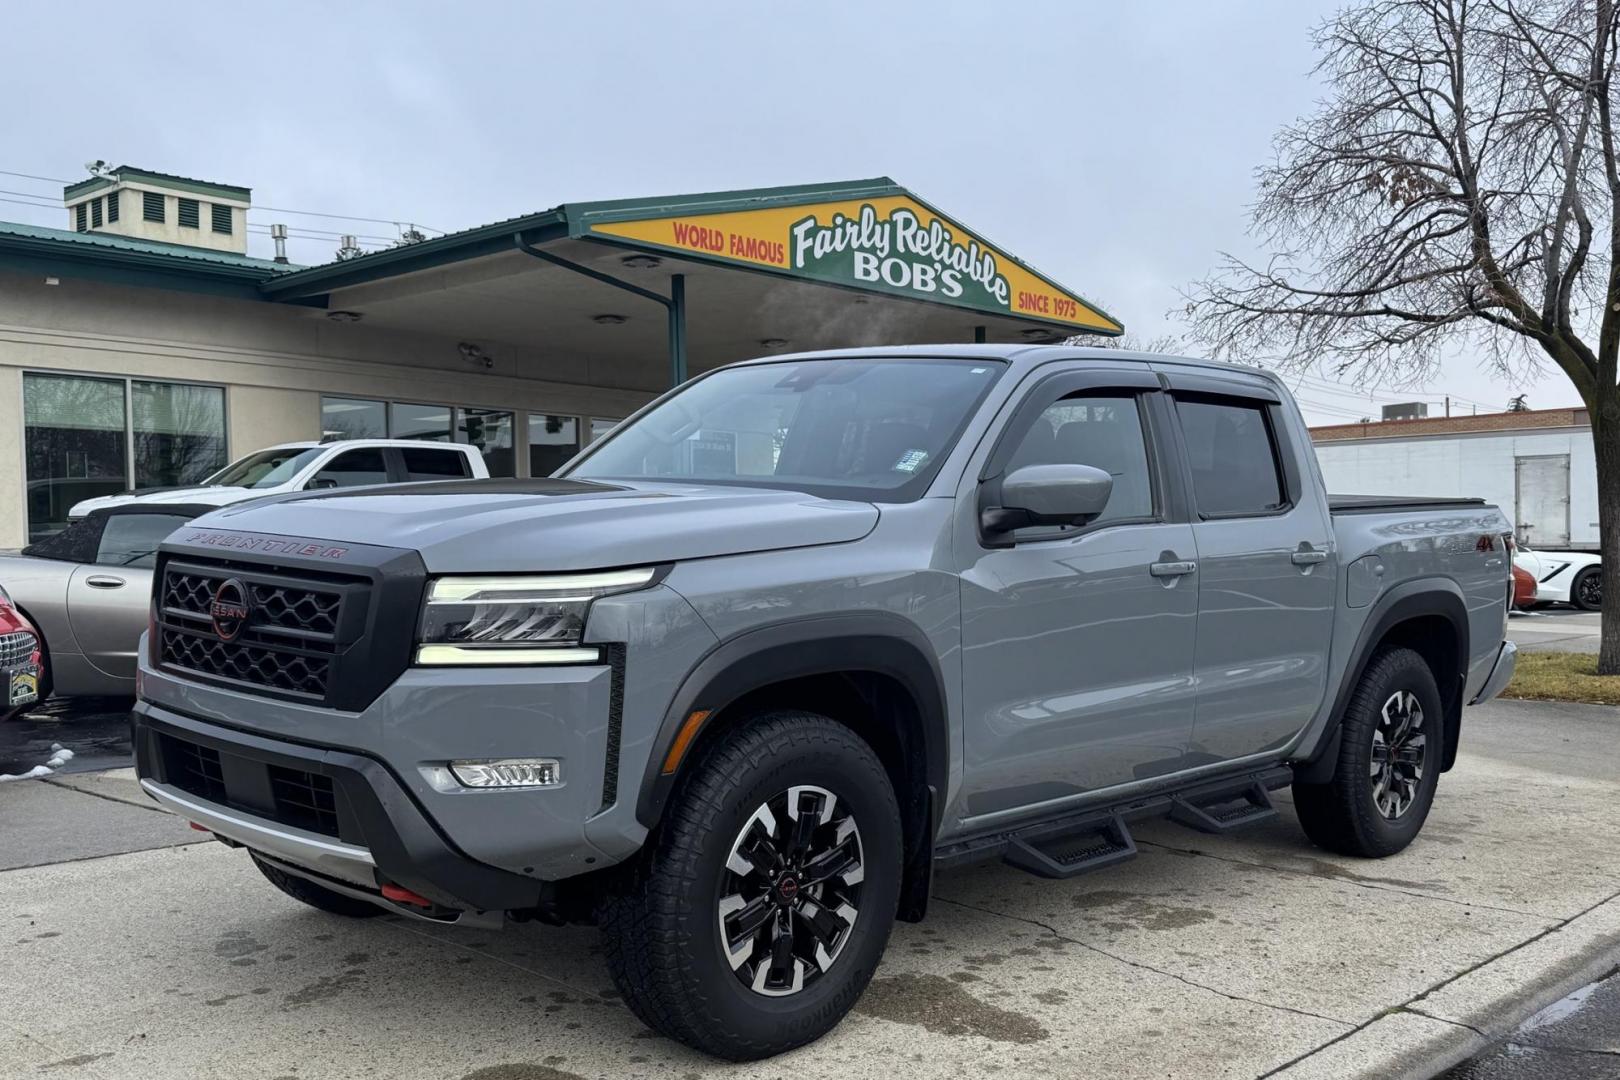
x: 344, y: 316
x: 641, y: 262
x: 608, y: 320
x: 773, y: 342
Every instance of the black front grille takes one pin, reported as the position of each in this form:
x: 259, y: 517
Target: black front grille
x: 279, y: 791
x: 196, y: 769
x: 296, y: 631
x: 304, y: 800
x: 255, y: 665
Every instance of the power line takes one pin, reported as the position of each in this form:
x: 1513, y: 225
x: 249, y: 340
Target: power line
x: 346, y: 217
x: 31, y: 176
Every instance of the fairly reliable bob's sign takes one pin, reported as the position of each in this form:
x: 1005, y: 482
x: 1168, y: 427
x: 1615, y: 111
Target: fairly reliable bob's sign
x: 891, y: 244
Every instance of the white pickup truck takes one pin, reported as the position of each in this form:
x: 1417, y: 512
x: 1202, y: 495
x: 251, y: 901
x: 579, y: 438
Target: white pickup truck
x: 312, y: 466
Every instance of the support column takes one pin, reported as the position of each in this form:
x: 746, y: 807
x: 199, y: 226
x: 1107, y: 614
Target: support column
x: 677, y: 329
x: 978, y: 335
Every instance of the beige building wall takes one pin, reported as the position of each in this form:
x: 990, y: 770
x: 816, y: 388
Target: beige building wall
x: 274, y: 360
x: 132, y: 221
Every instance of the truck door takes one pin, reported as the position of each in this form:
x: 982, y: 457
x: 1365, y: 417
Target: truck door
x: 1077, y: 653
x: 1266, y: 570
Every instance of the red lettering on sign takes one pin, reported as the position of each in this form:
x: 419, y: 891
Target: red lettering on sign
x: 699, y: 236
x: 752, y: 247
x: 1028, y: 301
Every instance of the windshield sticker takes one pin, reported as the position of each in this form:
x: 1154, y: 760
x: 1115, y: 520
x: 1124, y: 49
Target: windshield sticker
x: 911, y: 461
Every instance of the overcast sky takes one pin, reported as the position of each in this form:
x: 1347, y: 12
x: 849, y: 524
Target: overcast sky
x: 1111, y: 145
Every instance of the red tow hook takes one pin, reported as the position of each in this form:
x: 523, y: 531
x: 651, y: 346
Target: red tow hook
x: 401, y: 895
x: 199, y: 828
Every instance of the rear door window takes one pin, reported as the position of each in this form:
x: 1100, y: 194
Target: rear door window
x: 1233, y: 457
x: 353, y: 468
x: 423, y: 464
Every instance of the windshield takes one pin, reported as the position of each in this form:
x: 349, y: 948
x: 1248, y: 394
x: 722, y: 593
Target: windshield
x: 872, y: 429
x: 267, y: 468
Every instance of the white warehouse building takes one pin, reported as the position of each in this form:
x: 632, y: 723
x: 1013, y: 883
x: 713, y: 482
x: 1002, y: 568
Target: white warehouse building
x: 1537, y: 465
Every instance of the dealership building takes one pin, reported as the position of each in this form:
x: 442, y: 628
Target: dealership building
x: 142, y: 347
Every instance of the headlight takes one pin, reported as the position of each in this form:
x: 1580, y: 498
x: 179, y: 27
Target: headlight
x: 503, y: 619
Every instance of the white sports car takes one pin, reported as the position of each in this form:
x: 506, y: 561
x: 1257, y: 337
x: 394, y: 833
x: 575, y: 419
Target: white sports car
x: 1570, y: 577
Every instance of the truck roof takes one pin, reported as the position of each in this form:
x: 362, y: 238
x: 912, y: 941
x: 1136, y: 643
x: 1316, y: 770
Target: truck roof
x: 1020, y: 356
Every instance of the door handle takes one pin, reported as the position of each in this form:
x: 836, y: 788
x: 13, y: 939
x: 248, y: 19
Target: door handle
x: 1307, y: 558
x: 1171, y: 569
x: 104, y: 581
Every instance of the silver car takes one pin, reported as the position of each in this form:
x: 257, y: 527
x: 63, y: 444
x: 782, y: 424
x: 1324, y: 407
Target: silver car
x: 87, y: 589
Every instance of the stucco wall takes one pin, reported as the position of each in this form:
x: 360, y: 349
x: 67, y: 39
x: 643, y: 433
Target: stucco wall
x: 275, y: 361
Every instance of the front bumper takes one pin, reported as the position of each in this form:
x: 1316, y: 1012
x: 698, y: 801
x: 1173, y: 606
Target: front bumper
x: 1501, y: 673
x: 368, y: 832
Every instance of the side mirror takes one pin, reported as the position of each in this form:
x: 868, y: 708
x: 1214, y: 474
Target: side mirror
x: 321, y: 483
x: 1046, y: 495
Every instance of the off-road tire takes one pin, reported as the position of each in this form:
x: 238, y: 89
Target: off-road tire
x: 660, y: 929
x: 1342, y: 814
x: 316, y: 896
x: 1575, y: 589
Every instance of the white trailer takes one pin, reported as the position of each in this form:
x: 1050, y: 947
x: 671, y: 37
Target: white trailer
x: 1542, y: 475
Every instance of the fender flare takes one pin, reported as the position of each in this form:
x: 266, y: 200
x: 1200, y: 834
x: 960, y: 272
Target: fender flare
x: 878, y: 642
x: 1412, y: 599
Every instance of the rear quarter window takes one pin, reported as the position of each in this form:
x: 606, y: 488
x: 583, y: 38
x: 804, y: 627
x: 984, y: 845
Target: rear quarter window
x: 434, y: 464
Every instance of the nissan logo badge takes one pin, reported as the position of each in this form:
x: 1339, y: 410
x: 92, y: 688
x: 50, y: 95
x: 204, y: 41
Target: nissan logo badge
x: 229, y: 609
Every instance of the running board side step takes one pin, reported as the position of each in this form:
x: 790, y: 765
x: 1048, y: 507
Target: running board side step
x: 1223, y: 810
x: 1065, y: 850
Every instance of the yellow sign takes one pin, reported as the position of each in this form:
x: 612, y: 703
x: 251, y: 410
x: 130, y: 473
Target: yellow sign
x: 891, y: 244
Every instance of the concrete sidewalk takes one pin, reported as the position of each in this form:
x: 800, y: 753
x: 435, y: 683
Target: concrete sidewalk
x: 1245, y: 956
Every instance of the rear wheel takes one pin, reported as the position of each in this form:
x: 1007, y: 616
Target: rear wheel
x: 1389, y: 762
x: 316, y: 896
x: 1587, y: 591
x: 756, y: 917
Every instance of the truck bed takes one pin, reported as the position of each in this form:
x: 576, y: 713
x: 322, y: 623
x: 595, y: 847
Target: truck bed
x: 1366, y: 504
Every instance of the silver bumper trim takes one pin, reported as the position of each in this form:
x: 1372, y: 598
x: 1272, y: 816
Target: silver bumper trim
x: 1501, y: 673
x: 321, y: 854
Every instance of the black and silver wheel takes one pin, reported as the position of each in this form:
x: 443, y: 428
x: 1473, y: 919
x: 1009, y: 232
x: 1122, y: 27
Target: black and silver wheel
x: 795, y: 873
x: 761, y: 905
x: 1586, y: 592
x: 1388, y: 765
x: 1399, y: 754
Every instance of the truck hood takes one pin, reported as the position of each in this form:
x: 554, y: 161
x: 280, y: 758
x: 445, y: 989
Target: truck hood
x: 215, y: 495
x: 505, y: 526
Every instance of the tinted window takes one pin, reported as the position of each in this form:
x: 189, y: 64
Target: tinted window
x: 76, y: 543
x: 430, y: 423
x: 490, y: 430
x: 552, y: 441
x: 1103, y: 432
x: 353, y: 418
x: 1229, y: 447
x: 859, y: 428
x: 353, y: 468
x: 133, y: 539
x: 434, y: 464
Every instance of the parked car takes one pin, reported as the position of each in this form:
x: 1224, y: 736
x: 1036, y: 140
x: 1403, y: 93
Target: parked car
x: 22, y: 665
x: 88, y: 592
x: 801, y: 631
x: 1524, y: 587
x: 312, y: 466
x: 1565, y: 577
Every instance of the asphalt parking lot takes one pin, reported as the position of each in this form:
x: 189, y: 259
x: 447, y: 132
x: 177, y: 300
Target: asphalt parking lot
x: 137, y: 951
x: 1555, y: 629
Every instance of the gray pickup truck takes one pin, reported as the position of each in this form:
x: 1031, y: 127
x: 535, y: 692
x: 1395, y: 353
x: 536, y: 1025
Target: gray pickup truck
x: 748, y: 670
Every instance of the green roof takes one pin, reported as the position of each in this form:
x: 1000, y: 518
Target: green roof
x: 17, y: 236
x: 184, y: 183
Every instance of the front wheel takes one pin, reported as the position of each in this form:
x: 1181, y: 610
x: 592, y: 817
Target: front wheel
x: 1389, y: 762
x: 758, y: 913
x: 1587, y: 590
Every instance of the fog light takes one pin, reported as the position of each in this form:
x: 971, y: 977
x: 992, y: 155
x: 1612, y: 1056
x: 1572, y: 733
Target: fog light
x: 508, y: 773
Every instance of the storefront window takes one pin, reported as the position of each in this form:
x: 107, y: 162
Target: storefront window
x: 408, y: 421
x: 179, y: 433
x: 76, y: 446
x: 552, y: 441
x: 491, y: 431
x: 353, y: 418
x: 600, y: 426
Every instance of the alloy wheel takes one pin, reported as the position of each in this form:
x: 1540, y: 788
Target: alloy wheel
x: 1398, y: 754
x: 790, y: 891
x: 1590, y: 590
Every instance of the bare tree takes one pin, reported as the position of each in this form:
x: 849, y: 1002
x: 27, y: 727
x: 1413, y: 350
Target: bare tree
x: 1456, y: 188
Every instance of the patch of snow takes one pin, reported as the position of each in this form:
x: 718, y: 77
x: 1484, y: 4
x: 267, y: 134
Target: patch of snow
x: 61, y: 757
x: 36, y: 771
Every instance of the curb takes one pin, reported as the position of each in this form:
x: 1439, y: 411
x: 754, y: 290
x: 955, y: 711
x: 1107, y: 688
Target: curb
x: 1458, y: 1018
